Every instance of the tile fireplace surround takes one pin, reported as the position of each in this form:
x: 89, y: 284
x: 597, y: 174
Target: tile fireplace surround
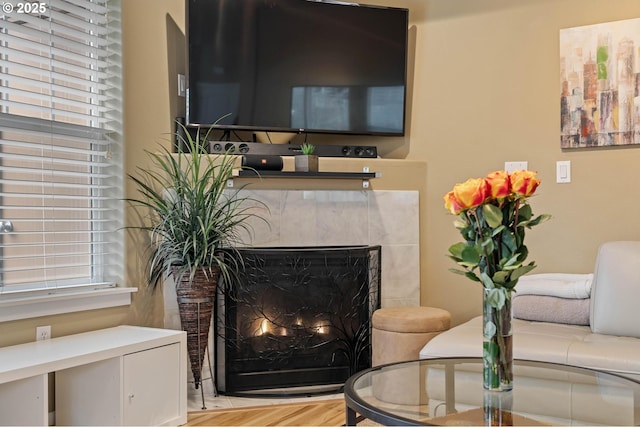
x: 338, y: 217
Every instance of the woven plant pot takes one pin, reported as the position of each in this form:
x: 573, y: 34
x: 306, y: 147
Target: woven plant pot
x: 196, y: 300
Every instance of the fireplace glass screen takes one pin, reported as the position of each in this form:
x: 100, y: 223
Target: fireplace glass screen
x: 297, y: 318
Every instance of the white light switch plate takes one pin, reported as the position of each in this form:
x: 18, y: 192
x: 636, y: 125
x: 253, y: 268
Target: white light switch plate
x: 563, y: 171
x: 515, y: 166
x: 182, y: 85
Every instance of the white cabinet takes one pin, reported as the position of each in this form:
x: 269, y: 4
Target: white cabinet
x: 24, y: 402
x: 139, y: 388
x: 151, y: 389
x: 118, y: 376
x: 89, y: 394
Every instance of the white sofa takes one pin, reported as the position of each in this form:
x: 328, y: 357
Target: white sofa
x: 611, y: 341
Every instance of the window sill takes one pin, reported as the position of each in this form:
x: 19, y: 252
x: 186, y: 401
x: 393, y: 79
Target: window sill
x: 46, y: 305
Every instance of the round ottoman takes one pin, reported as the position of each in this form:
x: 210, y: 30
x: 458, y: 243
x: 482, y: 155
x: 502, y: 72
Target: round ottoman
x: 398, y: 334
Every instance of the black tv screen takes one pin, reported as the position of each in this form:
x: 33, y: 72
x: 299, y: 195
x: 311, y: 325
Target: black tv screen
x: 297, y: 66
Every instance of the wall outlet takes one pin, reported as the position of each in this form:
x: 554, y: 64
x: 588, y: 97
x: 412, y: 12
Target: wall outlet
x: 514, y: 166
x: 43, y: 332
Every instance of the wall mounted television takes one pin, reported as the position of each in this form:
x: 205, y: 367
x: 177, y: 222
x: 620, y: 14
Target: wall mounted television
x: 298, y: 66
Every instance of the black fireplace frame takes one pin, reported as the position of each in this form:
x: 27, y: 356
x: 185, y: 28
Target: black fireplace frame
x: 311, y: 269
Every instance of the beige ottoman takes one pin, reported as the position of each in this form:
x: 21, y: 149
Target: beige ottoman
x: 398, y: 335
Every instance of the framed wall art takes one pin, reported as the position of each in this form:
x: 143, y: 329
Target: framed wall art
x: 600, y: 83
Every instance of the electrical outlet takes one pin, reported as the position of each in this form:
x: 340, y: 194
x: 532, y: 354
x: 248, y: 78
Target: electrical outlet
x: 43, y: 332
x: 514, y: 166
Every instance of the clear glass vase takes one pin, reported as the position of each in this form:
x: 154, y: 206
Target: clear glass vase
x: 497, y: 346
x: 497, y: 408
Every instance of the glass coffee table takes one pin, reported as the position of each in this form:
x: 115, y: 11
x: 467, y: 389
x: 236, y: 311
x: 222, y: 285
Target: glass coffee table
x: 448, y: 391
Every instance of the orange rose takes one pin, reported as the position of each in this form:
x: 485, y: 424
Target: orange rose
x: 471, y: 193
x: 524, y: 182
x: 451, y: 204
x: 499, y: 184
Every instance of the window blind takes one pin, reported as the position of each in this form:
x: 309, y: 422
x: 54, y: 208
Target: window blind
x: 60, y: 146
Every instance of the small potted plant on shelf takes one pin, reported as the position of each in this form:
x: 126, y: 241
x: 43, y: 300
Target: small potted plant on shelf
x: 307, y: 161
x: 193, y: 222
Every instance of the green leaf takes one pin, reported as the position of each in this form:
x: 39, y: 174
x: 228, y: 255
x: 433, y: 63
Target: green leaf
x: 457, y: 248
x: 488, y: 246
x: 509, y: 241
x: 486, y: 281
x: 489, y: 332
x: 496, y: 297
x: 460, y: 223
x: 519, y: 272
x: 471, y: 275
x: 466, y: 273
x: 457, y: 271
x: 470, y: 265
x: 524, y: 213
x: 492, y: 214
x: 500, y: 277
x: 454, y: 258
x: 511, y: 261
x: 538, y: 220
x: 497, y: 230
x: 470, y: 255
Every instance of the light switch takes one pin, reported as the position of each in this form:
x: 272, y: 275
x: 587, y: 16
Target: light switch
x: 563, y: 171
x: 515, y: 166
x: 182, y: 85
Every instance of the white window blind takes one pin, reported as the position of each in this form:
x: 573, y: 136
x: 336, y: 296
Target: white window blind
x: 60, y: 153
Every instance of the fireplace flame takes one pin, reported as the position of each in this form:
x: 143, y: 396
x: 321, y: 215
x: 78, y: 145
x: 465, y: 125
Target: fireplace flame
x: 321, y: 328
x: 264, y: 327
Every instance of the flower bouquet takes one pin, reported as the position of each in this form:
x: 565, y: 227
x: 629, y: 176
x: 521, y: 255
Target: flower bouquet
x: 493, y: 213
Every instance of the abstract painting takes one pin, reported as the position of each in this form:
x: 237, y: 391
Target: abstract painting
x: 600, y: 84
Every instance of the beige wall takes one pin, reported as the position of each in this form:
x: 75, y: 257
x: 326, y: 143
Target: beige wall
x: 485, y: 90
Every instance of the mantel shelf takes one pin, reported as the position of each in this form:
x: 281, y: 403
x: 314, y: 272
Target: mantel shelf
x: 258, y: 174
x: 302, y: 175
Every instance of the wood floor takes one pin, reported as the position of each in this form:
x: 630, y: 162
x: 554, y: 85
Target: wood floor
x: 316, y: 413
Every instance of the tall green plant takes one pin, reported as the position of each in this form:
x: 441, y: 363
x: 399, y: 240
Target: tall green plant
x: 192, y: 218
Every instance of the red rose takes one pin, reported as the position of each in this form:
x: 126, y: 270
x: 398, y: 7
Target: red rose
x: 451, y: 204
x: 471, y: 193
x: 499, y: 184
x: 524, y: 182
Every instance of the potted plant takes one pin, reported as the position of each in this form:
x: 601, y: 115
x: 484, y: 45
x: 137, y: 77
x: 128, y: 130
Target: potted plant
x: 307, y: 161
x: 193, y: 220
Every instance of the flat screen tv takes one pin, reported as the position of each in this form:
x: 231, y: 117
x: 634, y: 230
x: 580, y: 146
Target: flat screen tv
x: 297, y: 66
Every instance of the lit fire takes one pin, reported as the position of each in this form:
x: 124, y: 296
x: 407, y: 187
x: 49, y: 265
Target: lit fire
x: 266, y: 327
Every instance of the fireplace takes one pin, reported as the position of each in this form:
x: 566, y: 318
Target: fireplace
x: 297, y: 319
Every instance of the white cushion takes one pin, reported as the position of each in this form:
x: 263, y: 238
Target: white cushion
x: 546, y: 342
x: 615, y: 292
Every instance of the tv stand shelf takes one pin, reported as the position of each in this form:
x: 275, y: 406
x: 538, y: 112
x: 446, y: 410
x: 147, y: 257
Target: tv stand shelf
x: 291, y: 174
x: 364, y: 176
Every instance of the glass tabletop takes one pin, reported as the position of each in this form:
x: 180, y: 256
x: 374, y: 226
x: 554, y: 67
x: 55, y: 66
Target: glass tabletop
x: 448, y: 391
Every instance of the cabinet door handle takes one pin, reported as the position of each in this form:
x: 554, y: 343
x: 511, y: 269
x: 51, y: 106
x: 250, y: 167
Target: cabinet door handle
x: 131, y: 396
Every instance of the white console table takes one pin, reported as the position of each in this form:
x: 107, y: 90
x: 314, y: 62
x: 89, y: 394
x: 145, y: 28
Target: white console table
x: 126, y: 375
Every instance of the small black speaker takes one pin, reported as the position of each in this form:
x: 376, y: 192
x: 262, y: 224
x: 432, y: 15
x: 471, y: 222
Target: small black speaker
x: 262, y: 163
